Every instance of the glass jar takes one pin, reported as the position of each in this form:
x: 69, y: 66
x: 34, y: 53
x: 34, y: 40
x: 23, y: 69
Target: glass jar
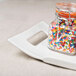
x: 62, y: 31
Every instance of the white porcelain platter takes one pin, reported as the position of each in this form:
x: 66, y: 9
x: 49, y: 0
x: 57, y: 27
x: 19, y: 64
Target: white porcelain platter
x: 41, y: 51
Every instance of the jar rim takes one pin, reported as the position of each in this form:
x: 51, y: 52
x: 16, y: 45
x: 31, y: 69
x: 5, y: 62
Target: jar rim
x: 66, y: 10
x: 66, y: 5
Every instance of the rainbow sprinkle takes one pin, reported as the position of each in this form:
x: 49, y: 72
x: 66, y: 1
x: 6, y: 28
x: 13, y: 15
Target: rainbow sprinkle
x: 62, y: 36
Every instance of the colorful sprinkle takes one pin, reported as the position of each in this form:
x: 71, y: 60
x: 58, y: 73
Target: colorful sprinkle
x: 63, y: 36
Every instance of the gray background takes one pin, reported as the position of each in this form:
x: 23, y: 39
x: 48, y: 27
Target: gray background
x: 17, y: 16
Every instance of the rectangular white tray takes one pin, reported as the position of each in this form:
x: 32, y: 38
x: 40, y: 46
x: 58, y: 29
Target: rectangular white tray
x: 41, y: 50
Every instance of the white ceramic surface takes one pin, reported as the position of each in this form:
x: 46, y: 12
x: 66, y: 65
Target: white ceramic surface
x: 41, y: 50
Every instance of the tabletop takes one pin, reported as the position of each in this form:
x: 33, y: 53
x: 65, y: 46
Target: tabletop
x: 17, y: 16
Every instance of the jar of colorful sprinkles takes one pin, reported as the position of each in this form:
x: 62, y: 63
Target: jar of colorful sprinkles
x: 62, y: 31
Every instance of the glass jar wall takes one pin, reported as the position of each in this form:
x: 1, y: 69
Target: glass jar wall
x: 62, y: 31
